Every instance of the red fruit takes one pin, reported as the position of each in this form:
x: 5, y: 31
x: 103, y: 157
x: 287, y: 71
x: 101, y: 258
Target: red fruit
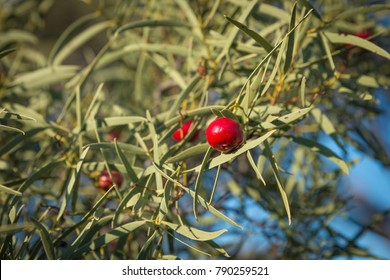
x: 105, y: 181
x: 224, y: 134
x: 181, y: 132
x: 114, y: 134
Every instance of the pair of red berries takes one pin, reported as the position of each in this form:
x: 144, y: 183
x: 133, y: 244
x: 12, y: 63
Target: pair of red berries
x: 223, y: 134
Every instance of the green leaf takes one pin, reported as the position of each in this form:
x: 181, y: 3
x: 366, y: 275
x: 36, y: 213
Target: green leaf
x: 151, y: 23
x: 202, y: 168
x: 45, y: 238
x: 112, y: 121
x: 80, y: 39
x: 19, y: 139
x: 170, y: 71
x: 11, y: 228
x: 9, y: 190
x: 123, y: 203
x: 291, y: 41
x: 69, y: 31
x: 7, y: 52
x: 129, y: 170
x: 228, y: 157
x: 193, y: 233
x: 254, y: 167
x: 44, y: 76
x: 254, y: 35
x: 286, y: 119
x: 321, y: 149
x: 201, y: 200
x: 5, y: 127
x: 183, y: 95
x: 327, y: 51
x: 231, y: 34
x: 126, y: 147
x: 16, y: 35
x: 116, y: 55
x: 353, y: 12
x: 73, y: 183
x: 310, y: 7
x: 357, y: 41
x: 275, y: 170
x: 273, y: 11
x: 189, y: 153
x: 40, y: 174
x: 110, y: 236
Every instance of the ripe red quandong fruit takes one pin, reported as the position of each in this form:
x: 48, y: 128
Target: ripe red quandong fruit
x: 105, y: 181
x: 182, y: 131
x: 224, y: 134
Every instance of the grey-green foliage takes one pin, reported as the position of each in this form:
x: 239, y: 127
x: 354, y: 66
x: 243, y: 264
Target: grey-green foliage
x: 143, y: 68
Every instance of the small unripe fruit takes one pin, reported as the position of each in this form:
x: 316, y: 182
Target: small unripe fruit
x: 182, y: 131
x: 105, y: 181
x: 224, y: 134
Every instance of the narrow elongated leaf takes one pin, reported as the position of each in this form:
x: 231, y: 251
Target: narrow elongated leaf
x: 183, y: 95
x: 116, y: 55
x: 6, y: 229
x: 130, y: 171
x: 71, y: 29
x: 41, y: 173
x: 201, y: 200
x: 273, y: 11
x: 360, y: 10
x: 357, y: 41
x: 291, y: 41
x: 193, y: 233
x: 151, y: 23
x: 45, y: 238
x: 310, y: 7
x: 15, y: 141
x: 7, y: 52
x: 80, y: 39
x: 169, y: 70
x: 286, y: 119
x: 9, y: 190
x: 73, y: 183
x: 254, y: 35
x: 112, y: 121
x: 125, y: 147
x: 45, y: 76
x: 16, y: 35
x: 275, y: 170
x: 233, y: 33
x: 110, y: 236
x: 254, y: 167
x: 202, y: 168
x: 5, y: 127
x: 228, y: 157
x: 189, y: 153
x: 327, y: 51
x: 321, y: 149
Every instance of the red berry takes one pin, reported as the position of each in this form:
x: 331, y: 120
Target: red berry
x: 224, y: 134
x: 105, y: 181
x: 114, y: 134
x: 181, y: 132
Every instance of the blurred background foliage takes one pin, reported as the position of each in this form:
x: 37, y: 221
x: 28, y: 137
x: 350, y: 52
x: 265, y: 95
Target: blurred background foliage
x: 87, y: 86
